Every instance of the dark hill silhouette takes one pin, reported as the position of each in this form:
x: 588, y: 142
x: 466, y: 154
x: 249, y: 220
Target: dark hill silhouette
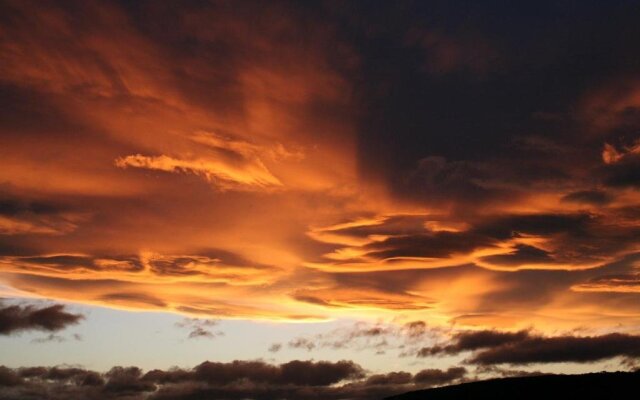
x: 602, y: 385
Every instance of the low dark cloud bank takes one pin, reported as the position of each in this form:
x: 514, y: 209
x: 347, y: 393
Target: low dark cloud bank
x: 525, y: 347
x: 234, y: 380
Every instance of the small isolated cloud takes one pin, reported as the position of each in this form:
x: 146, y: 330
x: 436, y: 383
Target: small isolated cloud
x: 18, y: 318
x: 302, y: 343
x: 50, y: 338
x: 275, y: 347
x: 200, y: 328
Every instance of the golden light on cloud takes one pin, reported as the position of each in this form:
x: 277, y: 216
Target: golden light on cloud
x: 223, y: 176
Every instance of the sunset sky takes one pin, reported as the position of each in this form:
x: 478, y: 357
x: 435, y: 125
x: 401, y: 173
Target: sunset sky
x: 382, y: 195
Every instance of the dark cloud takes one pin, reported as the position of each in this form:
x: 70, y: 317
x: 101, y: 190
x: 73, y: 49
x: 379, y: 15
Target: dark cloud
x: 394, y: 225
x: 593, y: 197
x: 525, y: 347
x: 566, y: 240
x: 494, y: 370
x: 522, y: 255
x: 255, y: 380
x: 432, y: 377
x: 624, y: 173
x: 200, y: 328
x: 199, y: 332
x: 430, y: 245
x: 275, y: 347
x: 438, y: 180
x: 126, y: 380
x: 161, y: 265
x: 538, y: 349
x: 49, y: 338
x: 319, y: 373
x: 377, y: 338
x: 9, y: 377
x: 390, y: 378
x: 78, y: 262
x: 309, y: 373
x: 302, y: 343
x: 506, y: 226
x: 415, y: 329
x: 78, y: 376
x: 442, y: 101
x: 474, y: 340
x: 611, y: 283
x: 25, y: 213
x: 12, y: 206
x: 18, y: 318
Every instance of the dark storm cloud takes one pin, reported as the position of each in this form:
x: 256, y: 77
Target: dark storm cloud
x: 467, y: 101
x: 18, y: 318
x: 525, y: 347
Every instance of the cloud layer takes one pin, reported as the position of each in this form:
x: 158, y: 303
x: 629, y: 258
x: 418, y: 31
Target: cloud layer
x: 315, y: 161
x: 237, y: 379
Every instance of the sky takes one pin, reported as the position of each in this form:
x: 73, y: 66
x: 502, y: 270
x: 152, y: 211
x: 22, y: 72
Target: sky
x: 324, y: 199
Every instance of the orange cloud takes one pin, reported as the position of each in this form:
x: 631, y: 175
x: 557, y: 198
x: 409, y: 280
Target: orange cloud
x: 268, y: 207
x: 223, y: 176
